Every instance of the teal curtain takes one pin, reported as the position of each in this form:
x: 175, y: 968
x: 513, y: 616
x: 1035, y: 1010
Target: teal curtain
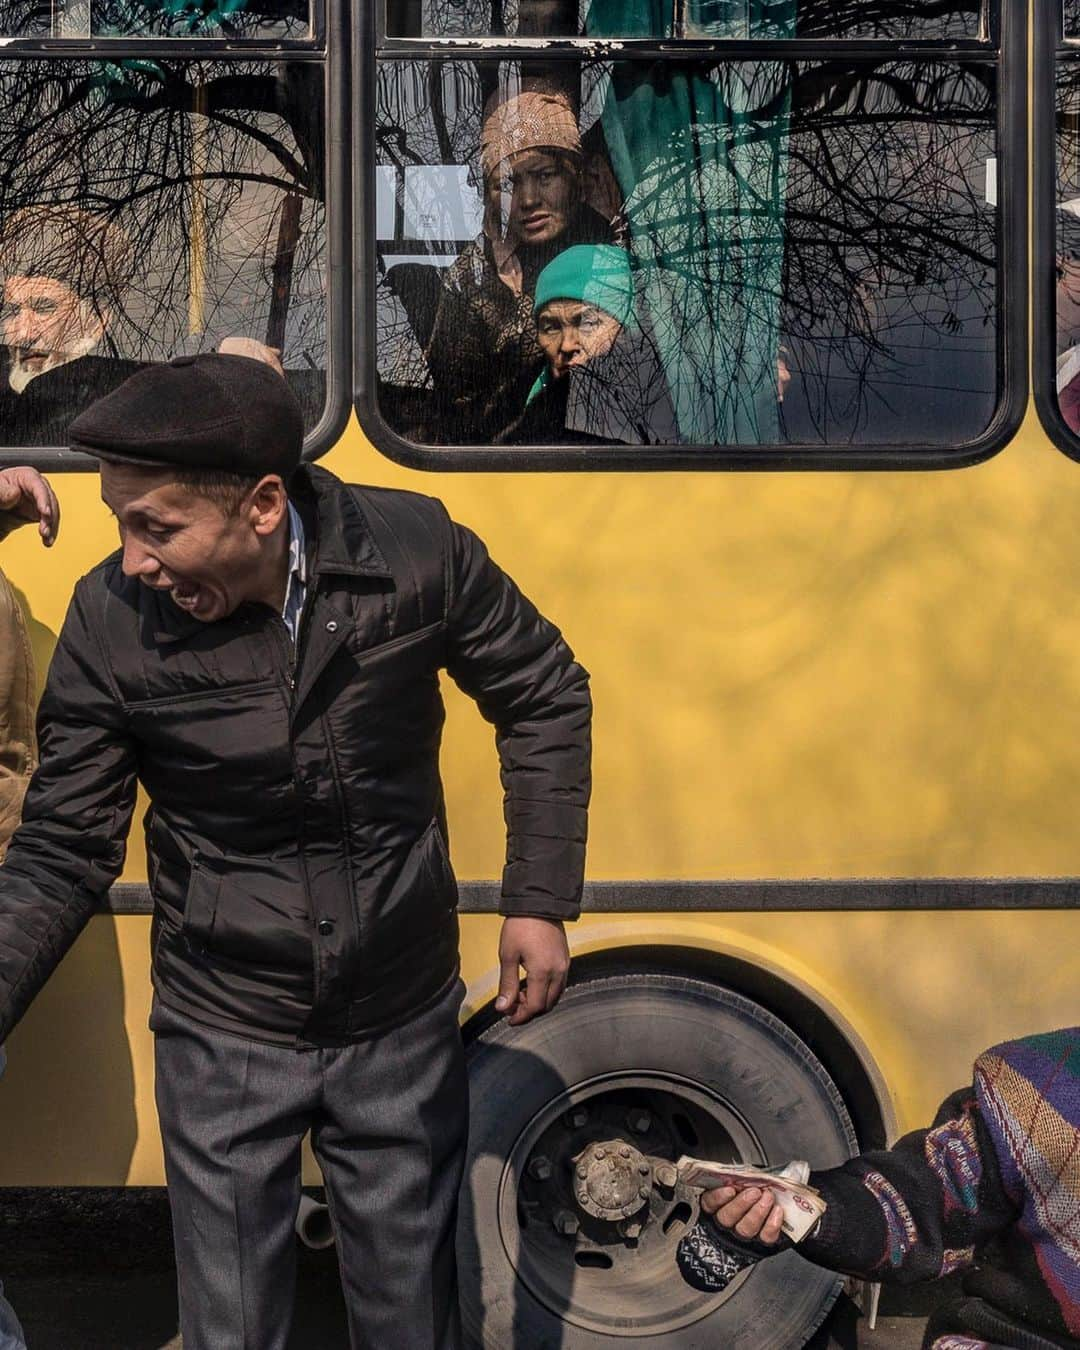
x: 700, y: 155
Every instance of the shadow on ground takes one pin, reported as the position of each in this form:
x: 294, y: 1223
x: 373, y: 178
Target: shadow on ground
x: 93, y: 1269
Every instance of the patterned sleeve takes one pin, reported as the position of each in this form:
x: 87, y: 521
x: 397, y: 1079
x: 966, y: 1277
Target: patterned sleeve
x: 919, y: 1210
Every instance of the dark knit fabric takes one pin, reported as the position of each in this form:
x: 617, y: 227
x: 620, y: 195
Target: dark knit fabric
x: 216, y: 412
x: 991, y: 1189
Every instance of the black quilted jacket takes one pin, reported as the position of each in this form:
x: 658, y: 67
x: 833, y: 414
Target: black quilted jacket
x: 296, y: 834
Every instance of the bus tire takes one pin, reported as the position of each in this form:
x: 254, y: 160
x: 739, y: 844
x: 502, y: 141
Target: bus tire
x: 671, y: 1065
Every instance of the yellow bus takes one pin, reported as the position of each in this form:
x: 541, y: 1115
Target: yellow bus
x: 820, y: 560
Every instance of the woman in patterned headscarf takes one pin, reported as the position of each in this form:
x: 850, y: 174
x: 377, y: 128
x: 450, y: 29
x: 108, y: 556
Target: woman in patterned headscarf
x: 483, y: 353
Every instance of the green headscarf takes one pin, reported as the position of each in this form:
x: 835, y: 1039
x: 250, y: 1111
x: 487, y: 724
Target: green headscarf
x: 595, y: 274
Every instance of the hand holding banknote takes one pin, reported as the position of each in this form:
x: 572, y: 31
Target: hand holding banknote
x: 756, y: 1203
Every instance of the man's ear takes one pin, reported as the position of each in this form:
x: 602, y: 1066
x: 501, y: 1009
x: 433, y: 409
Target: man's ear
x: 268, y: 504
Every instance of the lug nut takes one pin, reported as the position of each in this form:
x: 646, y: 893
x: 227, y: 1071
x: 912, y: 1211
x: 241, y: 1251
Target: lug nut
x: 644, y: 1192
x: 630, y: 1228
x: 643, y: 1168
x: 624, y: 1152
x: 540, y: 1168
x: 639, y: 1121
x: 566, y: 1223
x: 600, y: 1153
x: 582, y: 1171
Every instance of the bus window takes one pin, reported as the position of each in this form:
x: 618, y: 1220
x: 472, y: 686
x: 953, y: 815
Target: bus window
x: 1066, y: 253
x: 233, y: 19
x: 811, y: 253
x: 156, y: 207
x: 282, y: 20
x: 911, y: 20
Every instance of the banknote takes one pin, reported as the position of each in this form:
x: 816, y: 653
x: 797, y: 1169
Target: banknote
x: 800, y: 1204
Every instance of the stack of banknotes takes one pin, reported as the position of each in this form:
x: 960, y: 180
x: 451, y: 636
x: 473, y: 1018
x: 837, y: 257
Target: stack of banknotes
x: 801, y: 1205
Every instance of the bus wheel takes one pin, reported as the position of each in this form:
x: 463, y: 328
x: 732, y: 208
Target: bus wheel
x: 665, y: 1066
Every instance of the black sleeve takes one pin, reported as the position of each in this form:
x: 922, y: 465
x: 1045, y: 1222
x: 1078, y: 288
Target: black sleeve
x: 524, y: 678
x: 71, y: 843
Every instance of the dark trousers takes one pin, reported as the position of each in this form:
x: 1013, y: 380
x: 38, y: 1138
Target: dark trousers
x: 388, y: 1122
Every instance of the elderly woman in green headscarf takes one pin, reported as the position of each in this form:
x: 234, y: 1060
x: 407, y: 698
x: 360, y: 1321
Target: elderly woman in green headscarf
x: 602, y: 381
x: 539, y: 198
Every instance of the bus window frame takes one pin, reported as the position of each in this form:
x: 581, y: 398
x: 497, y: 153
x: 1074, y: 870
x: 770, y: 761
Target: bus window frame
x: 329, y: 46
x: 1004, y: 43
x: 1049, y: 42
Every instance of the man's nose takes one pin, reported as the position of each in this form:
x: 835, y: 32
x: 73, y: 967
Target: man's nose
x: 136, y: 561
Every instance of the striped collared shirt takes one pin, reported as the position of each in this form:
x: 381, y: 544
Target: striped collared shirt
x: 296, y: 586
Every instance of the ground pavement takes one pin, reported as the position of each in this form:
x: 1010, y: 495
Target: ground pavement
x: 92, y: 1270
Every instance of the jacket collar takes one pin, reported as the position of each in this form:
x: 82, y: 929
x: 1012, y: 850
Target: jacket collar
x: 339, y: 542
x: 343, y: 540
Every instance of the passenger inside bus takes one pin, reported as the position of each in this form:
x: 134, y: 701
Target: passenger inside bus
x: 991, y: 1190
x: 65, y: 272
x: 483, y: 352
x: 602, y: 380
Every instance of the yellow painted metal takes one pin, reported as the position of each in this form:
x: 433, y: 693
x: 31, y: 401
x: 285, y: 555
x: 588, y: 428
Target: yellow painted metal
x: 795, y: 675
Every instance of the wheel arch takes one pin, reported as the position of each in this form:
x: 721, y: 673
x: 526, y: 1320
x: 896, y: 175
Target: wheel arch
x: 814, y: 1019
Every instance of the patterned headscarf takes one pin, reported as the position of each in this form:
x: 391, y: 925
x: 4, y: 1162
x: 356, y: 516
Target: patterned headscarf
x: 529, y: 121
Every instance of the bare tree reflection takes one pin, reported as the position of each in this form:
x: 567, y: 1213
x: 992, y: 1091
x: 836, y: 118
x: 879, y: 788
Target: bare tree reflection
x: 213, y: 171
x: 839, y: 210
x: 919, y: 20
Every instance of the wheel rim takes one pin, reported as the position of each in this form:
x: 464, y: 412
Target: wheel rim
x: 600, y: 1276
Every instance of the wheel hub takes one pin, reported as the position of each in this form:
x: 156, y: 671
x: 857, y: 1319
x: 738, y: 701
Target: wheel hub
x: 590, y: 1202
x: 612, y: 1180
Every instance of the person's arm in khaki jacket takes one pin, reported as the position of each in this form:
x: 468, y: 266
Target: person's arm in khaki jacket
x: 18, y: 755
x: 24, y: 497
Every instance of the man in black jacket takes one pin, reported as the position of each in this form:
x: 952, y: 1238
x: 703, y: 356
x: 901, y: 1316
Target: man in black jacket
x: 266, y: 664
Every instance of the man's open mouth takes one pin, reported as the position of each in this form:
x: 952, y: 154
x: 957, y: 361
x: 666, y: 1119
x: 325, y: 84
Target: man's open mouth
x: 185, y: 594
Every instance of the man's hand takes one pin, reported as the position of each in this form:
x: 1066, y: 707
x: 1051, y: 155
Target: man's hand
x: 26, y: 496
x: 538, y: 945
x: 750, y: 1213
x: 253, y: 348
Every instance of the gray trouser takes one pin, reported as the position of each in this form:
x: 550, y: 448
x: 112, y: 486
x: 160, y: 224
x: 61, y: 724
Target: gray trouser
x: 388, y: 1122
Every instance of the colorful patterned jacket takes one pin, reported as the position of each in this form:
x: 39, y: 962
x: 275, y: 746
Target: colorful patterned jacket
x: 991, y: 1189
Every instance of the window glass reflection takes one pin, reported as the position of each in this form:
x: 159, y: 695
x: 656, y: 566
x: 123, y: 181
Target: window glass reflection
x: 232, y: 19
x: 919, y: 20
x: 769, y: 252
x: 155, y: 208
x: 1068, y: 243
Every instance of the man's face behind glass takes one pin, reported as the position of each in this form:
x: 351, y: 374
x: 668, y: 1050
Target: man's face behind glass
x: 44, y: 324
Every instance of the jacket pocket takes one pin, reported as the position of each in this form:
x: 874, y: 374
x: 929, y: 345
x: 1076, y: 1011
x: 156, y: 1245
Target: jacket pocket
x: 251, y: 914
x: 408, y: 654
x: 437, y: 860
x: 420, y: 896
x: 200, y: 905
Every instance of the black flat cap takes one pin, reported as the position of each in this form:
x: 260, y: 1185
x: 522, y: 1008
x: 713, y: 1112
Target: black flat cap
x: 230, y: 413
